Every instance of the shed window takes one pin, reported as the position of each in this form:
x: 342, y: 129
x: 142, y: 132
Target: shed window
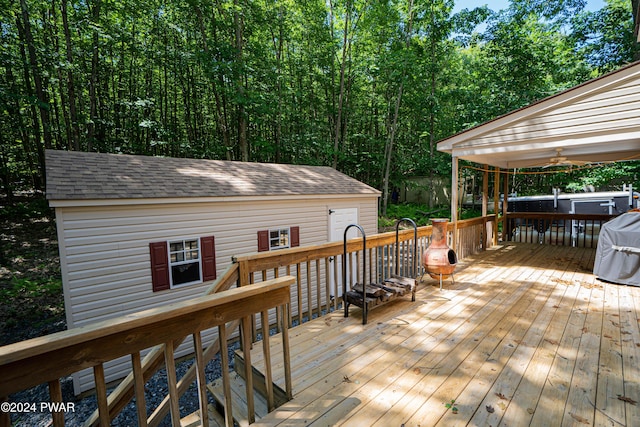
x: 184, y: 258
x: 278, y: 238
x: 182, y: 262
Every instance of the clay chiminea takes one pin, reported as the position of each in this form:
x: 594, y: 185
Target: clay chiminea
x: 438, y: 259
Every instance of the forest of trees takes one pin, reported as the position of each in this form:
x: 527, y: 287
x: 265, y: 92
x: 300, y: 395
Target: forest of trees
x: 365, y: 86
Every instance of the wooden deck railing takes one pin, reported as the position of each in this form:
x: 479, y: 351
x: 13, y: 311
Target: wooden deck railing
x: 579, y: 230
x: 47, y: 359
x: 314, y: 284
x: 317, y: 289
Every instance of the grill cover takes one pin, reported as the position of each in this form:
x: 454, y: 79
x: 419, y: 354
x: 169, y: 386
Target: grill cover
x: 618, y: 252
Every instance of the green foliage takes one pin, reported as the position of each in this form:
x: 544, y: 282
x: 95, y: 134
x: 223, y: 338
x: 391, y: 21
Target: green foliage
x: 30, y: 208
x: 417, y: 212
x: 605, y: 37
x: 451, y: 406
x: 603, y: 177
x: 27, y: 288
x: 30, y: 281
x: 420, y: 214
x: 311, y: 82
x: 607, y: 177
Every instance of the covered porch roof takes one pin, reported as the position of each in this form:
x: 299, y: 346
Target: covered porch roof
x: 597, y: 121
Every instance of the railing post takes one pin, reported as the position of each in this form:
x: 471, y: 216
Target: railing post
x: 172, y: 379
x: 248, y: 373
x: 201, y: 379
x: 226, y: 378
x: 266, y: 351
x: 55, y: 393
x: 101, y: 395
x: 243, y: 273
x: 138, y: 385
x: 285, y: 352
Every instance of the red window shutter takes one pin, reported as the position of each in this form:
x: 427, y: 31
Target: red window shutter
x: 208, y: 254
x: 159, y: 266
x: 294, y: 236
x: 263, y: 240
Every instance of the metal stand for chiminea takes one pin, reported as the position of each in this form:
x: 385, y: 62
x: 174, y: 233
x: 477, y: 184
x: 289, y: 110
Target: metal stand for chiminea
x: 453, y: 281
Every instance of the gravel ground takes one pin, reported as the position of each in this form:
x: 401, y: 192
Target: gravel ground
x: 156, y: 390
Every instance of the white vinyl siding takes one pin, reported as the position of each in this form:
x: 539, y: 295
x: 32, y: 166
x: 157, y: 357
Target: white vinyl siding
x: 607, y: 111
x: 104, y: 251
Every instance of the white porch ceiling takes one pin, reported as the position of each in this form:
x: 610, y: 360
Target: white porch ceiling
x: 598, y: 121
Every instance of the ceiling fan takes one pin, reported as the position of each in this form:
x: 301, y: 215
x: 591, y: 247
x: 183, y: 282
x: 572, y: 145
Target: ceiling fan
x: 560, y: 160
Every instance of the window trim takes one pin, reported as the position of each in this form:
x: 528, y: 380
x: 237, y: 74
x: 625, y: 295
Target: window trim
x: 185, y: 261
x: 279, y: 238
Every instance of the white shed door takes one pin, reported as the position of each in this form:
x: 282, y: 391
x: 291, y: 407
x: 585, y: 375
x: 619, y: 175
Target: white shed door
x: 339, y: 219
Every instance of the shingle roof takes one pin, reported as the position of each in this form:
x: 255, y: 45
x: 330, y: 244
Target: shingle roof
x: 73, y: 175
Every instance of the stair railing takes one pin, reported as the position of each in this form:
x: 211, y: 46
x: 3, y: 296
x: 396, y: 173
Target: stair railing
x: 47, y: 359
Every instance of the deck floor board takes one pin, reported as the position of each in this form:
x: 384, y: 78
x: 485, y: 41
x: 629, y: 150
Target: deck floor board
x: 526, y: 336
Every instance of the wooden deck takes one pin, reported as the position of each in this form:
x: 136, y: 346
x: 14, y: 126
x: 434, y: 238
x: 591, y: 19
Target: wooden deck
x: 526, y: 336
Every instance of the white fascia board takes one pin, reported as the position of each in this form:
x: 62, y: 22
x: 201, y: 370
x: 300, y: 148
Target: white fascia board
x: 177, y: 200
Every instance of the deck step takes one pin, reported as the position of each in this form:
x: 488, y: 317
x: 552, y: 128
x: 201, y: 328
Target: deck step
x: 259, y: 381
x: 238, y: 400
x: 193, y: 420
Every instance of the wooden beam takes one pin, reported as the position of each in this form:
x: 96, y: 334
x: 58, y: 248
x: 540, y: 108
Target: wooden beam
x: 496, y: 202
x: 485, y: 190
x: 226, y: 380
x: 101, y: 394
x: 201, y: 379
x: 454, y: 200
x: 485, y: 206
x: 138, y: 378
x: 170, y: 367
x: 55, y: 393
x: 505, y: 206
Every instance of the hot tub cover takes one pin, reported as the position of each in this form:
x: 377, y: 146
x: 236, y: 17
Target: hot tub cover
x: 618, y: 252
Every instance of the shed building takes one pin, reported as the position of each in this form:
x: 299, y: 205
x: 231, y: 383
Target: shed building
x: 137, y: 232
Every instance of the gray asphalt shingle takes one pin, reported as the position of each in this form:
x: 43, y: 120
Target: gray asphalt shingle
x: 73, y: 175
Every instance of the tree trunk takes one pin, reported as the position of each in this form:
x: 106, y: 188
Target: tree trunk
x: 71, y: 92
x: 37, y: 171
x: 635, y: 8
x: 394, y: 123
x: 432, y: 140
x: 5, y: 172
x: 243, y: 145
x: 278, y: 43
x: 93, y: 80
x: 338, y: 121
x: 13, y: 109
x: 43, y: 101
x: 221, y: 117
